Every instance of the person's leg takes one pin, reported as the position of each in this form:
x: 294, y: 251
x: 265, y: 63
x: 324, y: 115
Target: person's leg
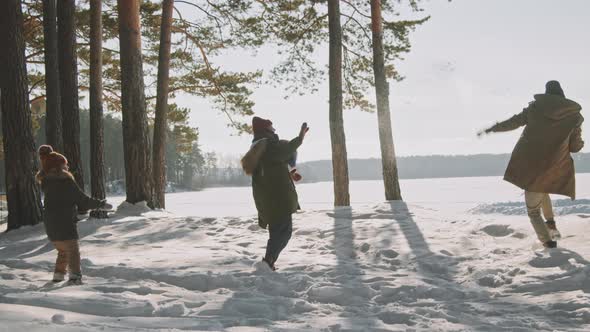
x: 534, y: 201
x: 547, y: 208
x: 285, y: 235
x: 74, y: 260
x: 279, y: 235
x: 61, y: 262
x: 272, y: 244
x: 550, y: 217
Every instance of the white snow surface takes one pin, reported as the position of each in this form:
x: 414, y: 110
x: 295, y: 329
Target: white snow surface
x: 458, y: 255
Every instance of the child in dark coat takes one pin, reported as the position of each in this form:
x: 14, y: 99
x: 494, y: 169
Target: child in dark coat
x: 62, y: 199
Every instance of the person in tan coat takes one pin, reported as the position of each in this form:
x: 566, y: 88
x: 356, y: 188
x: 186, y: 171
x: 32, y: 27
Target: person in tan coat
x: 541, y: 162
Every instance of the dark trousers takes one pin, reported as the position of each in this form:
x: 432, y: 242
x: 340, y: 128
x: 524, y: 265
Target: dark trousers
x: 279, y: 235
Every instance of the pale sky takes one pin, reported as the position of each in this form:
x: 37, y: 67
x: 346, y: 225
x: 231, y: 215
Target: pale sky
x: 474, y: 63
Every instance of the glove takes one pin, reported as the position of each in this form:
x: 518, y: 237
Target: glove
x: 304, y: 130
x: 105, y: 205
x: 483, y: 132
x: 295, y: 176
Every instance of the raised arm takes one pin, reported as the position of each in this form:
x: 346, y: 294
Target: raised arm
x: 513, y: 123
x: 284, y: 151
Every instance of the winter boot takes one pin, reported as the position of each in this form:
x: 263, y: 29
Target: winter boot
x: 58, y: 277
x: 550, y: 244
x: 75, y: 279
x: 553, y: 229
x: 270, y: 263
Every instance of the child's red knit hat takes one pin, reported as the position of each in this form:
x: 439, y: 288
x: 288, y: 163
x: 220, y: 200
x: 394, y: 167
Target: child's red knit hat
x: 54, y: 161
x: 44, y: 151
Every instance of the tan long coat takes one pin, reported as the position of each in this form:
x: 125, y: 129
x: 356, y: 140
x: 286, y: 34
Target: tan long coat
x: 541, y: 160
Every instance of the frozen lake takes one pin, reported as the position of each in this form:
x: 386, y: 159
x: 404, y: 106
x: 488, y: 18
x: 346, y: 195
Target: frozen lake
x: 237, y: 201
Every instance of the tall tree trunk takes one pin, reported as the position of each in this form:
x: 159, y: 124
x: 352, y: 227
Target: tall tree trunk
x: 160, y: 124
x: 339, y: 157
x: 68, y: 75
x: 53, y: 118
x: 96, y: 112
x: 23, y: 196
x: 136, y: 141
x: 389, y: 164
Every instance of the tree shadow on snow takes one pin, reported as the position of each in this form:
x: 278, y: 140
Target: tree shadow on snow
x: 574, y: 277
x: 32, y: 241
x: 462, y: 302
x: 355, y: 295
x: 429, y: 263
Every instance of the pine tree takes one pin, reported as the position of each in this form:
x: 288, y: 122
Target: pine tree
x: 97, y: 183
x: 160, y: 123
x: 298, y: 30
x: 68, y: 76
x: 339, y: 156
x: 23, y: 196
x: 52, y: 95
x: 136, y: 142
x: 389, y: 164
x: 201, y: 31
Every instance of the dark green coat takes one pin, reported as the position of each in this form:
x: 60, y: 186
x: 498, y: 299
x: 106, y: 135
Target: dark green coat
x: 541, y: 161
x: 63, y: 198
x: 274, y: 191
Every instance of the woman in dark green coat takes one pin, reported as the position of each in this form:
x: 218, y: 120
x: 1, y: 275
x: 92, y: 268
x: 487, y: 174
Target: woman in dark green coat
x: 272, y: 183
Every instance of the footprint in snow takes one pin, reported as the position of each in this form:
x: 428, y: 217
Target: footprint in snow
x: 365, y: 247
x: 103, y: 236
x: 447, y: 253
x: 389, y: 253
x: 519, y: 235
x: 498, y: 230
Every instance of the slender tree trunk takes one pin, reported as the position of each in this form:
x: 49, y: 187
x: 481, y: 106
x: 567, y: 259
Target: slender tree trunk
x: 53, y: 119
x: 390, y: 176
x: 23, y: 196
x: 160, y: 124
x: 136, y: 141
x: 96, y: 112
x: 68, y: 76
x: 339, y: 157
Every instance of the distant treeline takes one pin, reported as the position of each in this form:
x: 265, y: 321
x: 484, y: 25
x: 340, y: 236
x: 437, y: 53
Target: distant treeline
x: 420, y: 167
x: 414, y: 167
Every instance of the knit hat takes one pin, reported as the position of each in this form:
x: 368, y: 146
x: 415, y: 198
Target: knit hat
x: 554, y: 88
x: 260, y: 125
x: 54, y: 160
x: 44, y: 151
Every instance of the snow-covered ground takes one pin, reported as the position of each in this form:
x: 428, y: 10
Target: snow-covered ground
x: 456, y: 256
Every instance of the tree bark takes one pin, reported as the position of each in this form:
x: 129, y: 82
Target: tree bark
x: 23, y: 196
x: 135, y: 129
x: 68, y: 76
x: 338, y: 138
x: 160, y: 124
x: 96, y: 112
x: 53, y: 118
x: 389, y: 164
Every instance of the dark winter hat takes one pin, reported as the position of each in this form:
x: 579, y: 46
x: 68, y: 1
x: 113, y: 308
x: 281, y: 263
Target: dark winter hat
x: 554, y: 88
x: 54, y: 160
x: 260, y: 125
